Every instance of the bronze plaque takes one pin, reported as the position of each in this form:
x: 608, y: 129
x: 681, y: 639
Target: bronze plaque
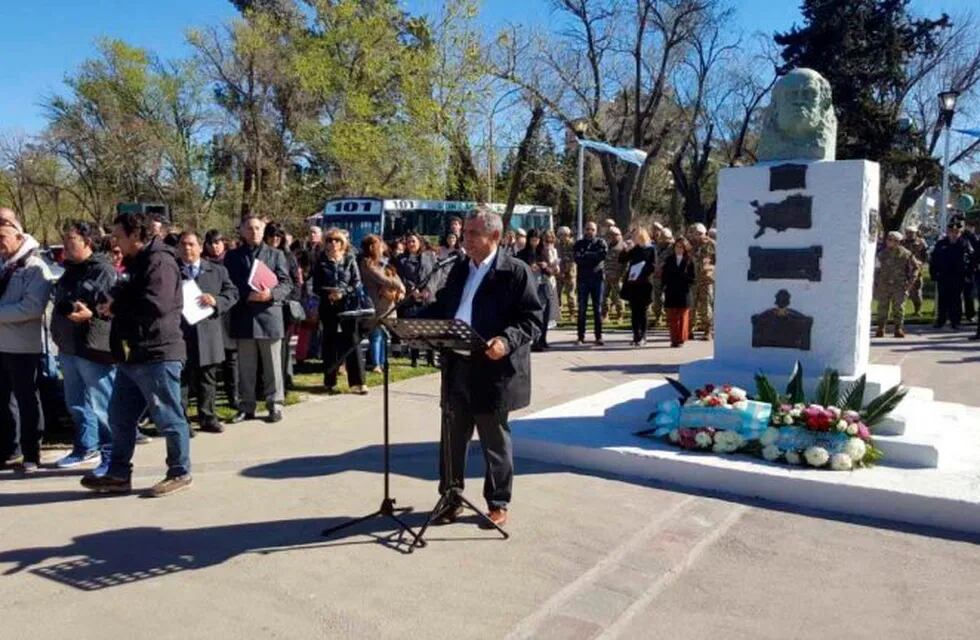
x: 787, y: 176
x: 795, y: 212
x: 782, y: 327
x: 786, y: 264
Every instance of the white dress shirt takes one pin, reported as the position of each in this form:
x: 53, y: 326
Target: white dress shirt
x: 473, y: 281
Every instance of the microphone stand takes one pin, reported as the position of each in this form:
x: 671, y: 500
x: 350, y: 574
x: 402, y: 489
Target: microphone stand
x: 387, y: 508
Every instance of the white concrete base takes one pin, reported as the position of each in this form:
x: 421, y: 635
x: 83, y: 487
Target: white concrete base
x: 596, y: 433
x: 698, y: 373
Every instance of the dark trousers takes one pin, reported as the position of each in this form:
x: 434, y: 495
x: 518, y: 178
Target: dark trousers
x: 21, y: 421
x: 341, y: 335
x: 949, y: 301
x: 203, y: 383
x: 229, y: 377
x: 544, y: 293
x: 590, y: 289
x: 458, y: 424
x: 638, y: 317
x: 287, y: 356
x: 969, y: 300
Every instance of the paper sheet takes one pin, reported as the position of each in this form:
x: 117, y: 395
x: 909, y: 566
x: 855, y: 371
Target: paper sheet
x: 636, y: 270
x: 194, y: 312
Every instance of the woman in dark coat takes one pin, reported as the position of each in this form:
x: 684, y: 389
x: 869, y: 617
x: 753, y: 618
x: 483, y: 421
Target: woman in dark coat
x: 678, y: 277
x: 641, y: 262
x: 336, y: 279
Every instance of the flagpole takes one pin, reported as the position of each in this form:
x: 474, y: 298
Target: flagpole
x: 581, y: 179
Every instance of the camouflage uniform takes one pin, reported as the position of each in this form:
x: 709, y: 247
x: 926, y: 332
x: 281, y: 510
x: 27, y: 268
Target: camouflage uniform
x: 613, y: 271
x: 704, y: 286
x: 897, y: 272
x: 920, y: 251
x: 566, y: 276
x: 663, y: 251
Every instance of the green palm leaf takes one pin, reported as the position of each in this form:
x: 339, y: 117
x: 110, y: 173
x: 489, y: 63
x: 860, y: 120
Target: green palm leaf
x: 795, y: 387
x: 854, y: 397
x: 879, y: 408
x: 828, y: 390
x: 764, y: 391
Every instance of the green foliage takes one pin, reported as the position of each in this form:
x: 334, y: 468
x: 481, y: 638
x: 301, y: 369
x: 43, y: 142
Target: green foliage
x: 794, y: 390
x: 828, y: 389
x: 853, y: 398
x: 764, y: 391
x: 880, y: 407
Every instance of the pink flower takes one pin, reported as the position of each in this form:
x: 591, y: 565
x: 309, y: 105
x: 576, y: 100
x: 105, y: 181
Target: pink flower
x: 863, y: 431
x: 852, y: 416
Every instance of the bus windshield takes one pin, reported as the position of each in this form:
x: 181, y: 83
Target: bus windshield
x: 357, y: 226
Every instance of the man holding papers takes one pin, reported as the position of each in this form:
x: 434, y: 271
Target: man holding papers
x: 259, y: 273
x: 208, y: 295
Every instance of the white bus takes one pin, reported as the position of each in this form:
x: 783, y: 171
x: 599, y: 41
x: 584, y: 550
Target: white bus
x: 394, y: 218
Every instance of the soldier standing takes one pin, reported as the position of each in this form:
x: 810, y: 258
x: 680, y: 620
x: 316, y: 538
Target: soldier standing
x: 898, y: 269
x: 612, y: 272
x: 948, y: 266
x: 664, y: 240
x: 566, y: 275
x: 920, y: 251
x: 704, y: 280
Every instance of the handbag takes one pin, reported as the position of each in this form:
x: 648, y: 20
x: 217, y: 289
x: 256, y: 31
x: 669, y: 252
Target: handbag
x: 294, y: 312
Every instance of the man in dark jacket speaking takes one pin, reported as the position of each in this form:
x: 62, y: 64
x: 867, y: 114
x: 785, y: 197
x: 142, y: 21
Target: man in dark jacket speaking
x: 495, y: 294
x: 147, y: 342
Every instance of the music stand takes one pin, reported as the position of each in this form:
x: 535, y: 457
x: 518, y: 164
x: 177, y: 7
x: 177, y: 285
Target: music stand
x: 442, y: 334
x: 387, y: 507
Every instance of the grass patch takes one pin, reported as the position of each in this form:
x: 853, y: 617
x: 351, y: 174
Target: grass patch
x: 308, y: 377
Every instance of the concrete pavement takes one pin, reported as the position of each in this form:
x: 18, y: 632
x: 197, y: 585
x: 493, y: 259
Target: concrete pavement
x: 240, y: 555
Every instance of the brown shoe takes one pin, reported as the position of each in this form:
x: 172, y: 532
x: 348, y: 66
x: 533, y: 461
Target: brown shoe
x: 899, y: 333
x: 168, y: 486
x: 449, y: 514
x: 498, y: 517
x: 880, y: 333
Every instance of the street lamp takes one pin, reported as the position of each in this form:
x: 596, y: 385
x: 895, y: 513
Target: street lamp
x: 580, y: 126
x: 490, y: 158
x: 947, y: 107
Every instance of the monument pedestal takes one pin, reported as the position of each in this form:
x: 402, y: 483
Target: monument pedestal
x: 794, y: 274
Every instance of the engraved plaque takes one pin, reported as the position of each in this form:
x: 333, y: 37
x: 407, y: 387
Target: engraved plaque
x: 786, y: 264
x: 782, y: 327
x: 787, y: 176
x: 795, y: 212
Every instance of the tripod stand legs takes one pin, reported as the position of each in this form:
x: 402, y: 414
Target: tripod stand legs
x: 444, y: 501
x: 387, y: 509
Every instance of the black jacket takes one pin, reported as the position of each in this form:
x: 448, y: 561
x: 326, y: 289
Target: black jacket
x: 87, y: 282
x: 589, y: 258
x: 205, y: 340
x: 950, y: 260
x: 343, y: 275
x: 677, y: 280
x: 507, y: 306
x: 146, y: 308
x: 639, y: 289
x: 257, y: 320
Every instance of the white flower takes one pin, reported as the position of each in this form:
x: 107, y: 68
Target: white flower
x: 842, y: 425
x: 737, y: 393
x: 771, y: 452
x: 702, y: 439
x: 852, y: 429
x: 841, y: 462
x: 787, y: 420
x: 770, y: 436
x: 722, y: 396
x: 792, y: 457
x: 816, y: 456
x: 834, y: 410
x: 674, y: 436
x: 856, y: 448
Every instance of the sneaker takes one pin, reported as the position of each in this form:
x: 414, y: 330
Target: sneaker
x: 73, y: 459
x: 103, y: 467
x: 213, y: 426
x: 107, y: 484
x: 274, y: 416
x: 360, y: 390
x: 142, y: 438
x: 13, y: 460
x: 599, y: 342
x: 242, y: 416
x: 168, y: 485
x: 28, y: 468
x: 580, y: 342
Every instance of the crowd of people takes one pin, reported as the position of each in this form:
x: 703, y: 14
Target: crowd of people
x: 127, y: 352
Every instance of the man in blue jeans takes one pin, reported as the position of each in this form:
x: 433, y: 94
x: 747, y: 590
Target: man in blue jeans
x: 83, y: 345
x: 590, y: 256
x: 147, y: 342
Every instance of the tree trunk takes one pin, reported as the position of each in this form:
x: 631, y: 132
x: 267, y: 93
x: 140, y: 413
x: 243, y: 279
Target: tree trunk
x: 523, y: 151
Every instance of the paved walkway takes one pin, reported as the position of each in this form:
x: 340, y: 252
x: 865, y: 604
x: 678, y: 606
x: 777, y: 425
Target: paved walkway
x: 240, y: 555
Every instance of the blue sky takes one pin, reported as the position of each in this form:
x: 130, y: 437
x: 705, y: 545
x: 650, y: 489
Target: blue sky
x: 44, y: 39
